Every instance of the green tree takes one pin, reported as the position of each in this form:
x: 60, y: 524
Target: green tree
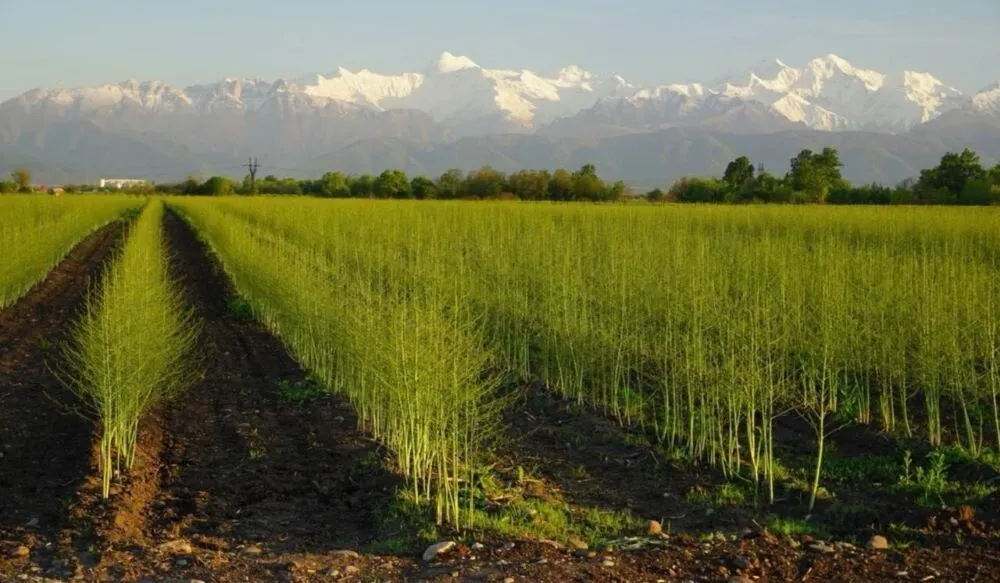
x: 423, y: 188
x: 994, y: 175
x: 587, y: 185
x: 392, y: 184
x: 217, y: 186
x: 656, y: 195
x: 529, y: 184
x: 980, y: 191
x: 739, y: 173
x: 953, y: 174
x: 616, y: 191
x: 245, y: 187
x: 485, y: 182
x: 451, y: 184
x: 334, y: 184
x: 22, y: 178
x: 191, y: 185
x: 561, y: 185
x: 765, y: 187
x: 815, y: 174
x: 698, y: 190
x: 362, y: 186
x: 8, y: 187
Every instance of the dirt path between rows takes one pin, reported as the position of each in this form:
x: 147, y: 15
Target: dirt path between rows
x: 44, y: 449
x: 234, y: 469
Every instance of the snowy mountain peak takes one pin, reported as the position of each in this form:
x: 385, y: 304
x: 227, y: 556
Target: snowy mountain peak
x: 925, y: 82
x: 674, y: 91
x: 827, y: 92
x: 830, y: 66
x: 449, y: 63
x: 987, y: 100
x: 573, y: 74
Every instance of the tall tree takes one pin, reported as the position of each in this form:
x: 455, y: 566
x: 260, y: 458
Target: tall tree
x: 423, y: 188
x: 22, y: 178
x: 815, y: 174
x: 739, y: 173
x: 529, y: 184
x: 392, y: 184
x: 362, y: 186
x: 616, y: 191
x: 334, y: 184
x: 561, y: 185
x: 485, y: 182
x: 587, y: 185
x: 954, y: 173
x: 217, y: 186
x: 450, y: 184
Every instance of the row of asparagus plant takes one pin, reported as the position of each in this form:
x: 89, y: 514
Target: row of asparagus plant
x: 36, y: 232
x: 700, y: 325
x: 412, y: 366
x: 130, y: 347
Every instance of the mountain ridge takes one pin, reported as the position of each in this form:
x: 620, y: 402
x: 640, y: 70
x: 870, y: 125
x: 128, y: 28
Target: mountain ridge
x: 158, y: 130
x: 827, y: 93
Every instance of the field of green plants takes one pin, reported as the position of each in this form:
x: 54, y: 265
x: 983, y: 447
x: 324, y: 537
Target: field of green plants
x: 129, y: 348
x: 740, y: 342
x: 700, y: 326
x: 36, y: 232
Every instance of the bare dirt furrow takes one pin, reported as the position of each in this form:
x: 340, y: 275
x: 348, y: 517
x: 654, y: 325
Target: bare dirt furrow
x: 236, y: 467
x: 44, y: 447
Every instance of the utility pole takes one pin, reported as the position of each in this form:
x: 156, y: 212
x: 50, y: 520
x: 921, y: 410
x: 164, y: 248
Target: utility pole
x: 252, y: 167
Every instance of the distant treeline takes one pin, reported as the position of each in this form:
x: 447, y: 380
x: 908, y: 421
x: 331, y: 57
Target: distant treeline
x: 484, y: 183
x: 815, y: 178
x: 812, y: 177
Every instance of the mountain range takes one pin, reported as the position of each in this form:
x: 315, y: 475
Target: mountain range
x: 457, y: 114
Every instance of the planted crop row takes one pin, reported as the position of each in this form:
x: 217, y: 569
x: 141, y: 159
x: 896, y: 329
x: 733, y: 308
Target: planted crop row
x: 129, y: 348
x: 411, y: 366
x: 698, y: 325
x: 36, y: 233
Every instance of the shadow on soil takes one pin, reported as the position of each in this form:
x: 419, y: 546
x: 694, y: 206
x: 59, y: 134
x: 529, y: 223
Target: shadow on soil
x: 253, y: 456
x: 585, y: 458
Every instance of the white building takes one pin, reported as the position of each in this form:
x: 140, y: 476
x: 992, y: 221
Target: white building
x: 120, y: 183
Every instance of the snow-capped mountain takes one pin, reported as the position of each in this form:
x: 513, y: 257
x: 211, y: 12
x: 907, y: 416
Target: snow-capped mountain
x: 829, y: 93
x: 671, y: 106
x: 455, y: 113
x: 826, y: 93
x: 987, y: 101
x: 457, y: 92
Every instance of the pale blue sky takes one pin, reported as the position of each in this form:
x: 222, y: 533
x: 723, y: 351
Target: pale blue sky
x: 63, y: 43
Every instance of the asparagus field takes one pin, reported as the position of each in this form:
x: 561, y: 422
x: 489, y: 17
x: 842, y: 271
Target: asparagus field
x: 624, y: 392
x: 131, y: 344
x: 35, y: 233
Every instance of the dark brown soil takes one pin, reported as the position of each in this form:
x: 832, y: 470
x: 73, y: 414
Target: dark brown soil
x: 237, y: 483
x: 44, y: 447
x: 233, y: 469
x: 590, y: 460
